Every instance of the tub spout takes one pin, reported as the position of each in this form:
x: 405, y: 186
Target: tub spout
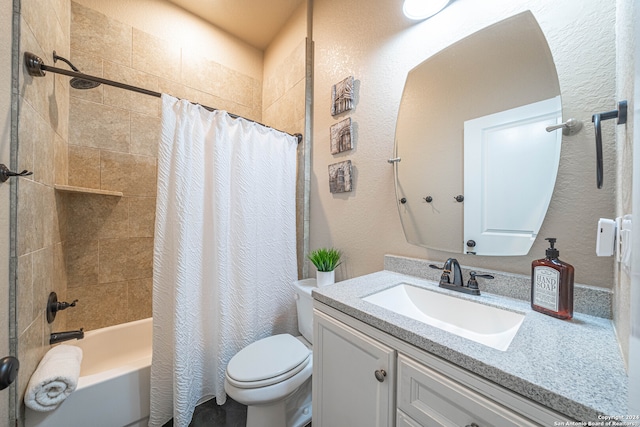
x: 57, y: 337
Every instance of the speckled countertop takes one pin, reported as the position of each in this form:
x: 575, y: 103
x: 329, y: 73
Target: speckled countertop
x: 573, y: 367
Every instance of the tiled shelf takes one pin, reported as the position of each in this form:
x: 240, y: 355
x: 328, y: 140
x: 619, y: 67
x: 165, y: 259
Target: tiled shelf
x: 70, y: 189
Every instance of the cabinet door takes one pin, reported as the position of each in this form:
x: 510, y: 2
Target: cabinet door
x: 434, y: 400
x: 349, y: 387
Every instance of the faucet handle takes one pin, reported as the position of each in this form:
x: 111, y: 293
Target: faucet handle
x: 444, y: 278
x: 473, y: 283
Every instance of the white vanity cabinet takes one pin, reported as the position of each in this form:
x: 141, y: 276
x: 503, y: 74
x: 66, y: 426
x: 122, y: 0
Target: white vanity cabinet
x: 353, y: 377
x: 419, y: 389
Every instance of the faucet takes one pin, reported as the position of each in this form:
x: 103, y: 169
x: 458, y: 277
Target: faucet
x: 57, y: 337
x: 452, y: 265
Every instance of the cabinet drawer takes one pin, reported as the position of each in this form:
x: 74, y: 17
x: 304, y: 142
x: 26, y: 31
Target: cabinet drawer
x: 432, y: 399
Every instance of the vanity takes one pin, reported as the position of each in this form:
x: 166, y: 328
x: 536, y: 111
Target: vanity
x: 376, y: 367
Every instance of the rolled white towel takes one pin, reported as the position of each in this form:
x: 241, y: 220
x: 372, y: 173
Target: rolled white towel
x: 54, y: 379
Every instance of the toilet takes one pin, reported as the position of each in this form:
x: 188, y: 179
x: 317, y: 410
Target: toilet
x: 272, y: 376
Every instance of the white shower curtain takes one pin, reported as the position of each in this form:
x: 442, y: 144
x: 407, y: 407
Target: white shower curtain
x: 224, y: 254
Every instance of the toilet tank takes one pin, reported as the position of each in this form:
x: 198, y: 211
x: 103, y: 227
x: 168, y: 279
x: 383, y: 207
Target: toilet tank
x: 304, y: 304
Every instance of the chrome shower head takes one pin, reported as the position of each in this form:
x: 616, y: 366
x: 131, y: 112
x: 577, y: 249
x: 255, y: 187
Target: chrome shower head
x: 76, y: 82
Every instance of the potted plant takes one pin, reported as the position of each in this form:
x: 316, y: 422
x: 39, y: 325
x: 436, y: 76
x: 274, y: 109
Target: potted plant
x: 326, y: 261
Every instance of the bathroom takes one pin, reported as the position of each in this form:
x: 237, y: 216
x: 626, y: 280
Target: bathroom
x: 593, y: 51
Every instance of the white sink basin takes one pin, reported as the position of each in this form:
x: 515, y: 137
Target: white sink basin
x: 491, y: 326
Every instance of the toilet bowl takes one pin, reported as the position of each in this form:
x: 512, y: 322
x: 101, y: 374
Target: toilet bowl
x: 272, y: 376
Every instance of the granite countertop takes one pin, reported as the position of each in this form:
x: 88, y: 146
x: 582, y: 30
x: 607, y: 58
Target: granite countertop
x: 571, y: 366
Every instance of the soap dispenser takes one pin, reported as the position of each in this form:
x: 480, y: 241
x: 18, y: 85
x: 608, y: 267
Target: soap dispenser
x: 552, y: 284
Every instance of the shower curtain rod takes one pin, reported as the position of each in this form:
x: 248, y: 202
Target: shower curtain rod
x: 37, y: 68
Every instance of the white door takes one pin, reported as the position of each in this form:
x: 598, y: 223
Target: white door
x: 353, y: 377
x: 510, y: 167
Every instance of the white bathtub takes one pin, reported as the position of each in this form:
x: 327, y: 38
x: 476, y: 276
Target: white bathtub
x: 113, y: 389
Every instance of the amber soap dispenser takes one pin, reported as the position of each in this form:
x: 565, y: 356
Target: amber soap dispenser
x: 552, y: 284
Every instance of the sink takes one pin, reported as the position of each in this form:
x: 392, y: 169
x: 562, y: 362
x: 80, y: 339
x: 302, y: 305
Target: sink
x: 492, y: 326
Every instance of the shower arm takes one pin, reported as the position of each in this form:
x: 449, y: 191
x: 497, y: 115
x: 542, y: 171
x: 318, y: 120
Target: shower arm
x: 65, y: 60
x: 37, y: 68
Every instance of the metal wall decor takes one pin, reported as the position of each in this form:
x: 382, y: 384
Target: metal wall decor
x: 341, y: 136
x: 340, y: 177
x: 342, y: 96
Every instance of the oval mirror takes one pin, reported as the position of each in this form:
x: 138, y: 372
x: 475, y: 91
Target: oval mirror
x: 476, y: 166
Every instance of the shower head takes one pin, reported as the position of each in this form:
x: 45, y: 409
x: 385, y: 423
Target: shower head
x: 76, y: 82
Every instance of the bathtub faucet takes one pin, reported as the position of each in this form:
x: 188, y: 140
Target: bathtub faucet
x: 57, y: 337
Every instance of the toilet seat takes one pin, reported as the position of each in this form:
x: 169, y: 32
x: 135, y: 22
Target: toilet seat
x: 268, y: 361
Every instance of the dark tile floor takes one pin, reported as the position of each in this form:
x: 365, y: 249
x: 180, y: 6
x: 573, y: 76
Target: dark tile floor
x: 210, y: 414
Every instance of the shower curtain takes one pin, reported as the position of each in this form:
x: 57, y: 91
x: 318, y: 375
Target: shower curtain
x: 225, y: 251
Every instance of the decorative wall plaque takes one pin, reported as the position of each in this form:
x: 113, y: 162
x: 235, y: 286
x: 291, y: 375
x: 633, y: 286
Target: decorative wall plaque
x: 340, y: 177
x: 342, y: 96
x: 341, y: 136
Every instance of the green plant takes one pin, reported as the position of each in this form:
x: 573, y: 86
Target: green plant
x: 325, y: 259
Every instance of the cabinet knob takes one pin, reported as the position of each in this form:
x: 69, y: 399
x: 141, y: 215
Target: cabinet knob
x: 472, y: 425
x: 380, y: 374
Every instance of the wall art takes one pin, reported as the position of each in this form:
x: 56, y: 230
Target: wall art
x: 340, y: 177
x: 342, y: 96
x: 341, y: 136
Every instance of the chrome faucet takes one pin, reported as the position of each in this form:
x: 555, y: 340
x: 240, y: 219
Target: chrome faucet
x: 57, y: 337
x: 452, y: 265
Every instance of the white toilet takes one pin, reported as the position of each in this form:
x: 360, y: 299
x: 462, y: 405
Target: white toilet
x: 272, y: 376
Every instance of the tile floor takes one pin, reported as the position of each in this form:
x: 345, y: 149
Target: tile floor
x: 209, y: 414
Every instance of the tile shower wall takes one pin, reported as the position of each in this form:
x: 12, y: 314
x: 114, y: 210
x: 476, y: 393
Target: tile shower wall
x: 113, y: 143
x: 42, y: 148
x: 284, y: 108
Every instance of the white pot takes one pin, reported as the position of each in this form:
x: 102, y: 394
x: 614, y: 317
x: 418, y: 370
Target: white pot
x: 324, y: 278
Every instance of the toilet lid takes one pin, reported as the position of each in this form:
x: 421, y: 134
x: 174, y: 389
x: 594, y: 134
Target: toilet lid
x: 267, y: 358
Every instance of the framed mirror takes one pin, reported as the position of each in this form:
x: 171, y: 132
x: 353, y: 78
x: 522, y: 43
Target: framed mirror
x: 476, y: 166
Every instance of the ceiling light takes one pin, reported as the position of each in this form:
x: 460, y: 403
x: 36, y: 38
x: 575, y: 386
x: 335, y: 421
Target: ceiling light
x: 423, y: 9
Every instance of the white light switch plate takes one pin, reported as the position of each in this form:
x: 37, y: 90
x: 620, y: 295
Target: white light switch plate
x: 605, y: 242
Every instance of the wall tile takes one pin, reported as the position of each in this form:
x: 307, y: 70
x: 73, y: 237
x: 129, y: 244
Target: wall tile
x: 59, y: 107
x: 131, y: 174
x: 142, y: 214
x: 95, y: 306
x: 99, y: 35
x: 96, y: 216
x: 84, y: 166
x: 98, y: 126
x: 42, y: 277
x: 145, y: 135
x: 28, y: 126
x: 25, y: 307
x: 114, y: 258
x: 30, y: 217
x: 140, y: 258
x: 81, y: 262
x: 127, y: 99
x: 30, y: 351
x: 139, y: 304
x: 61, y: 160
x: 155, y: 56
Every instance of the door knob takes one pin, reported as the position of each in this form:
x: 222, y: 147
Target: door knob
x: 380, y: 374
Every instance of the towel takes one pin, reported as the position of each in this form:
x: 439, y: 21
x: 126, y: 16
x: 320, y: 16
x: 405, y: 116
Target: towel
x: 54, y: 379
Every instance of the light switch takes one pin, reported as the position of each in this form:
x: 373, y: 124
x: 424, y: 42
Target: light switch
x: 605, y: 241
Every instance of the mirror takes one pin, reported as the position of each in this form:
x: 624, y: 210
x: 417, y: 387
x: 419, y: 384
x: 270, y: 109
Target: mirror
x: 476, y: 166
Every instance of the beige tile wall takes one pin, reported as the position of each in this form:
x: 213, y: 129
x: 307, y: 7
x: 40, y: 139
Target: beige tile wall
x: 113, y: 145
x: 41, y: 222
x: 284, y: 108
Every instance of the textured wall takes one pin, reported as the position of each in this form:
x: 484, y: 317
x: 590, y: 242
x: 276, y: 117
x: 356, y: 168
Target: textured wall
x: 113, y: 143
x: 42, y: 148
x: 378, y: 46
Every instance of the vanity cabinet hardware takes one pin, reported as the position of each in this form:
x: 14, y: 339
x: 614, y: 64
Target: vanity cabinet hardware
x: 428, y: 199
x: 459, y: 198
x: 380, y: 374
x: 5, y: 173
x: 472, y: 425
x: 394, y: 160
x: 403, y: 200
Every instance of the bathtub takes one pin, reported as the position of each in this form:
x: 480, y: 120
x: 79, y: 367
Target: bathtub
x: 113, y: 389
